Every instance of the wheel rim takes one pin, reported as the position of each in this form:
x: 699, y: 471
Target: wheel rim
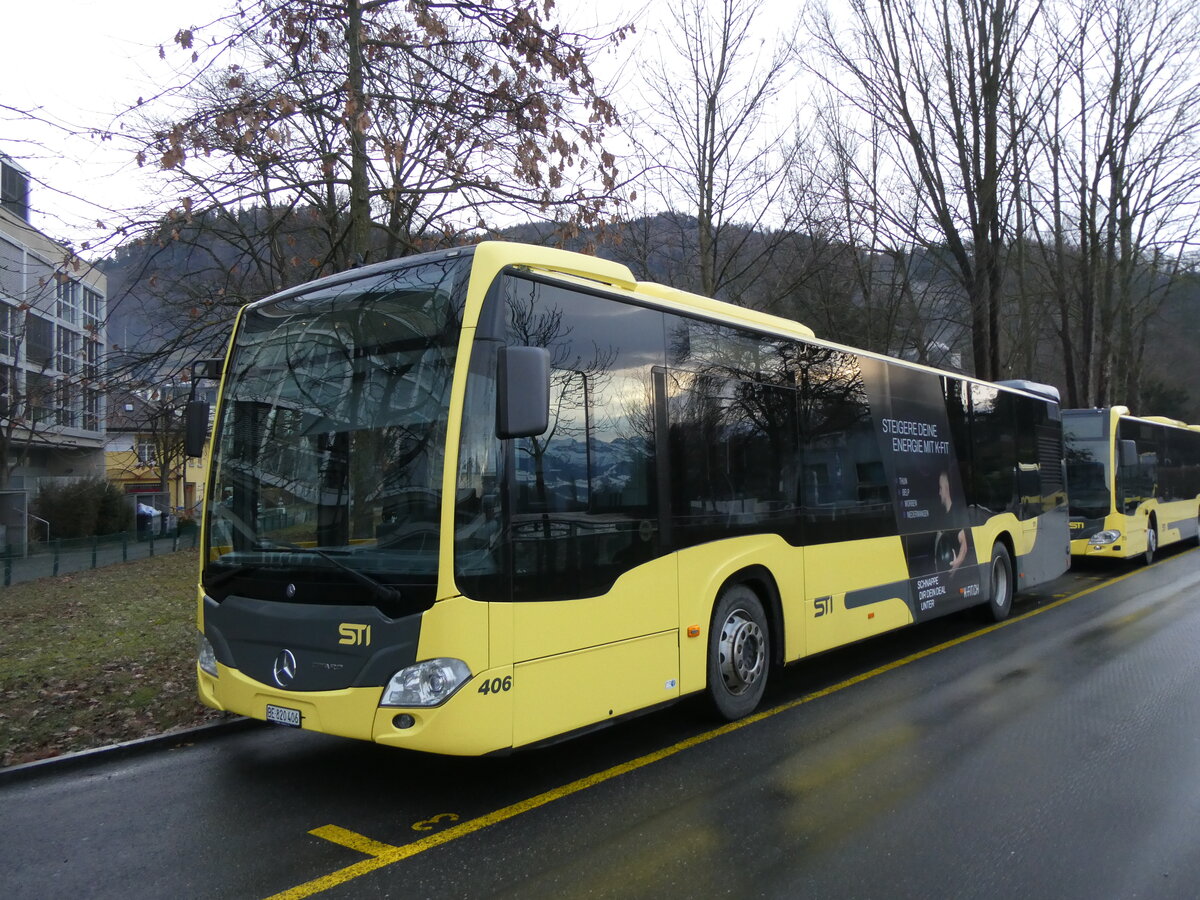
x: 742, y: 651
x: 1152, y: 538
x: 999, y: 584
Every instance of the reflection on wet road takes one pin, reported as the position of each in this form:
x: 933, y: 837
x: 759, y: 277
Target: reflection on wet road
x: 1056, y: 755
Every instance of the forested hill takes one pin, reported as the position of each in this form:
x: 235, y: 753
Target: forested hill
x: 179, y: 295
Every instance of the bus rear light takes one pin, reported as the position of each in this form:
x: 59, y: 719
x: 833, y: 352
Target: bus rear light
x: 205, y: 655
x: 427, y: 683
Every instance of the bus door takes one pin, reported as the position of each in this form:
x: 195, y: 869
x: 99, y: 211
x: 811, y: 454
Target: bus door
x: 594, y: 591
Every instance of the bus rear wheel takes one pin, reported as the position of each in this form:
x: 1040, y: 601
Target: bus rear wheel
x: 1000, y: 582
x: 1151, y: 541
x: 739, y: 652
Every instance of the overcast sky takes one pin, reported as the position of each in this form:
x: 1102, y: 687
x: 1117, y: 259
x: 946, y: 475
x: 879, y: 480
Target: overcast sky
x: 78, y: 62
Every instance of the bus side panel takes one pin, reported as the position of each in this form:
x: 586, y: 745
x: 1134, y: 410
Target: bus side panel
x: 582, y: 661
x: 703, y: 569
x: 1177, y: 521
x: 1045, y: 550
x: 855, y: 590
x: 457, y: 627
x: 642, y: 601
x: 558, y: 694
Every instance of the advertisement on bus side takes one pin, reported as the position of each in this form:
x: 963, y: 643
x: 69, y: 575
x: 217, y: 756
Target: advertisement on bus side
x: 921, y: 466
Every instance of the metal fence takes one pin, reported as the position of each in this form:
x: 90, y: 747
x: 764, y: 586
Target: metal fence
x: 61, y: 557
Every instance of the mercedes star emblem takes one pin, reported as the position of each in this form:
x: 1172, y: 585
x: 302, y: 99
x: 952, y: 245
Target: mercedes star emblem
x: 285, y: 668
x: 290, y: 591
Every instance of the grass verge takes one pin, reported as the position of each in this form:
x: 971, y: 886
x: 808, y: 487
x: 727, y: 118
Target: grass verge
x: 98, y: 657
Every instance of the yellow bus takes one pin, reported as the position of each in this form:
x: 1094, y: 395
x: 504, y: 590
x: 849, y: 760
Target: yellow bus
x: 486, y: 498
x: 1134, y: 482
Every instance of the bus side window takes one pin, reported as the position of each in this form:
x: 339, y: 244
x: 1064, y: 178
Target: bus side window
x: 995, y: 452
x: 582, y: 499
x: 845, y: 492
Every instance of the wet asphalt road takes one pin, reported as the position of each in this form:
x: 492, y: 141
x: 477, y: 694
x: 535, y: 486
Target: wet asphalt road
x: 1057, y: 756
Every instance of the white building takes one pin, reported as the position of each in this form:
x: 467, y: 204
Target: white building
x: 52, y: 311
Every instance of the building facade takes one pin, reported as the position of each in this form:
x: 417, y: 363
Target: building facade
x: 52, y: 338
x: 145, y: 450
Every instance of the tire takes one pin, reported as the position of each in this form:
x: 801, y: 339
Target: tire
x: 1151, y: 541
x: 739, y: 652
x: 1000, y: 584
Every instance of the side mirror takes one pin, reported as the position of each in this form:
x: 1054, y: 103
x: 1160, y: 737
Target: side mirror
x: 1127, y: 453
x: 195, y: 428
x: 522, y: 391
x: 207, y: 368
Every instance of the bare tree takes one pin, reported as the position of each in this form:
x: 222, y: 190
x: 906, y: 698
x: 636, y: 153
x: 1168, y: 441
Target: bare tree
x: 940, y: 78
x: 1117, y: 211
x: 718, y: 161
x: 314, y: 136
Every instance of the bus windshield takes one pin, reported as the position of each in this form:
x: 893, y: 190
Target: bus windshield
x: 1087, y: 450
x: 331, y: 442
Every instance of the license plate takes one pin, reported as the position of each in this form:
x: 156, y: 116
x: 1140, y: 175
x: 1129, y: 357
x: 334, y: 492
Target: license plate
x: 282, y: 715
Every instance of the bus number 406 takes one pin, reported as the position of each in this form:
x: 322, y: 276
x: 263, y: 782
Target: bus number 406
x: 496, y: 685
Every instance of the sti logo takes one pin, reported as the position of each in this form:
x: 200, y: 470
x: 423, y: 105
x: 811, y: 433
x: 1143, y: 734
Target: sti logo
x: 355, y: 635
x: 823, y: 606
x: 1076, y: 526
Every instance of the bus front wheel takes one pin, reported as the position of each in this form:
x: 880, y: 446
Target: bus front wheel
x: 1000, y: 599
x: 738, y: 652
x: 1151, y: 541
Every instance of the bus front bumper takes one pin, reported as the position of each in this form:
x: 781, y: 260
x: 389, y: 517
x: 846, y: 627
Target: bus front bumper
x: 472, y: 722
x: 1122, y: 548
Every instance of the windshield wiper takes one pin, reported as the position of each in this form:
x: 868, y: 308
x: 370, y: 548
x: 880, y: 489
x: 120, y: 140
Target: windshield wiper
x: 378, y: 588
x: 212, y: 582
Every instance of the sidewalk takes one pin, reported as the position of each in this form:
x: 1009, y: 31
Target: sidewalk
x: 64, y: 557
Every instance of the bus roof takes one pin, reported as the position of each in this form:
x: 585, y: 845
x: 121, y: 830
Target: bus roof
x: 583, y: 269
x: 1122, y: 412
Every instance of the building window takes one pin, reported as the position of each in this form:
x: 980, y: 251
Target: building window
x: 91, y: 410
x: 8, y: 340
x: 66, y: 351
x: 91, y: 359
x: 8, y: 389
x: 66, y: 414
x: 39, y: 340
x: 146, y: 453
x: 68, y: 299
x: 92, y: 303
x: 40, y: 398
x: 14, y: 191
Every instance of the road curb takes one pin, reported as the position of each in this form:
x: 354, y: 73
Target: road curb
x: 55, y: 765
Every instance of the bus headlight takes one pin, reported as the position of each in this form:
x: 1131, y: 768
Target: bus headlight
x: 205, y: 655
x: 427, y: 683
x: 1104, y: 537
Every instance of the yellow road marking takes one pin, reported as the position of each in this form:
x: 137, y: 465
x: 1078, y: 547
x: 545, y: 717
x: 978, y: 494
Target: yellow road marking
x: 352, y: 839
x: 430, y: 824
x: 386, y: 854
